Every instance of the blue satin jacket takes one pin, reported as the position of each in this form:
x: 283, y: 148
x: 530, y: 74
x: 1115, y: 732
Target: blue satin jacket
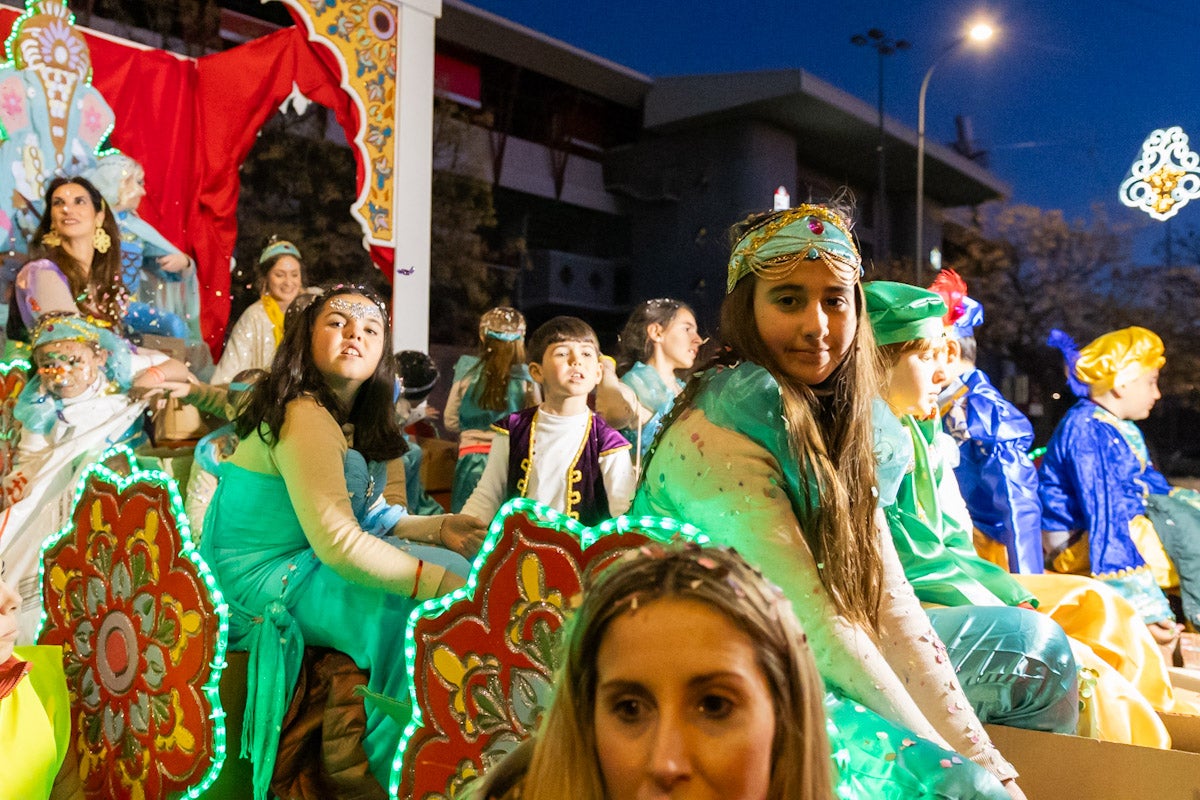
x: 1095, y: 477
x: 998, y: 481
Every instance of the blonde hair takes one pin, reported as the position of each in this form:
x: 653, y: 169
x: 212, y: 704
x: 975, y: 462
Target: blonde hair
x: 564, y: 762
x: 890, y: 355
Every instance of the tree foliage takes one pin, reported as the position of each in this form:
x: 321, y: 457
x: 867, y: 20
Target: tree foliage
x: 194, y: 23
x: 299, y: 186
x: 1034, y: 270
x: 466, y: 277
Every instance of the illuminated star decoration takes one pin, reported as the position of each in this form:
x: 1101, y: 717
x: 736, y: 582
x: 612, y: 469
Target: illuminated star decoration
x: 1165, y: 177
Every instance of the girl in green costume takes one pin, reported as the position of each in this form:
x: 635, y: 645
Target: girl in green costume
x: 775, y: 457
x: 292, y: 561
x: 940, y: 560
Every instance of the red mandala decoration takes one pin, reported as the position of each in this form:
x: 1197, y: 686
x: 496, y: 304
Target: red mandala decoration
x: 482, y: 669
x: 140, y: 633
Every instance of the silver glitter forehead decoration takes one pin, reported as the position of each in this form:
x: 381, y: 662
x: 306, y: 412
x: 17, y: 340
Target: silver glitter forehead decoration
x: 367, y: 310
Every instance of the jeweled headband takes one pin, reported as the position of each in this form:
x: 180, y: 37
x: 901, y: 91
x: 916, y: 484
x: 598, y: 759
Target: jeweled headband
x: 367, y: 310
x: 811, y: 232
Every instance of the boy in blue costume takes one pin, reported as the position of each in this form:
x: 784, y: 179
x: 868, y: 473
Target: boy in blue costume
x: 997, y: 479
x: 1100, y: 492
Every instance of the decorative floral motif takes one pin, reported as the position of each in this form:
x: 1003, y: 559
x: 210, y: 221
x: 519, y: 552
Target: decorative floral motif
x: 482, y: 666
x: 45, y: 42
x: 1166, y: 176
x: 363, y: 34
x: 12, y: 100
x: 127, y: 600
x: 12, y: 380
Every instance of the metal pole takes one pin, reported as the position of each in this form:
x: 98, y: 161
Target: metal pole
x: 880, y: 157
x: 920, y: 247
x: 883, y: 45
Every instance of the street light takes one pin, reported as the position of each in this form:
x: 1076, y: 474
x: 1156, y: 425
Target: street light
x: 884, y: 45
x: 979, y: 33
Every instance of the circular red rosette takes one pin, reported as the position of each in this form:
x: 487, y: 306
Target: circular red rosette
x: 139, y: 632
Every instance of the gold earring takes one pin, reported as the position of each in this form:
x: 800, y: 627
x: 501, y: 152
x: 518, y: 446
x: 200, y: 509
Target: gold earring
x: 51, y: 239
x: 100, y: 240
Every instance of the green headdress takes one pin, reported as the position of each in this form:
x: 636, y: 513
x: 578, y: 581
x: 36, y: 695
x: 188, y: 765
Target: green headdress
x: 903, y: 313
x: 810, y: 232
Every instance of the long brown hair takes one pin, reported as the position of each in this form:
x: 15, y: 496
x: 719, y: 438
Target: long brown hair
x: 834, y: 443
x: 501, y: 349
x: 294, y: 374
x: 564, y: 763
x: 109, y: 296
x: 832, y: 439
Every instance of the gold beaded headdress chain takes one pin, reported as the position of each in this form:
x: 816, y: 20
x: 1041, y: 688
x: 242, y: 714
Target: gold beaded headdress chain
x: 810, y: 232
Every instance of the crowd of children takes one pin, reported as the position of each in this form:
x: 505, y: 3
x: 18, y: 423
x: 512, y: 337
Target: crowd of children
x: 842, y: 440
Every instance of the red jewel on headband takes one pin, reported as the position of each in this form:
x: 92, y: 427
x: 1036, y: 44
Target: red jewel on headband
x: 816, y: 226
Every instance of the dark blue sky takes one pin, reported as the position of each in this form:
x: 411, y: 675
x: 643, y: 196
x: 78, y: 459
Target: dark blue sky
x: 1061, y: 101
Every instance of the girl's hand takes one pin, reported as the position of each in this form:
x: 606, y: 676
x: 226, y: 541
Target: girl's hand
x: 174, y: 262
x: 1013, y: 790
x: 462, y: 533
x: 178, y: 389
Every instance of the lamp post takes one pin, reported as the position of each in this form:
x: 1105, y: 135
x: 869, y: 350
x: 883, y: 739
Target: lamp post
x: 979, y: 33
x: 884, y: 45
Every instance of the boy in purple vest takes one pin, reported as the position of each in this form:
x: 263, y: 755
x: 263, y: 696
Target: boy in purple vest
x: 559, y: 452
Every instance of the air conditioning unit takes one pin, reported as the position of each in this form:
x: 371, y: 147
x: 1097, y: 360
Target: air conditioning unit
x: 567, y: 279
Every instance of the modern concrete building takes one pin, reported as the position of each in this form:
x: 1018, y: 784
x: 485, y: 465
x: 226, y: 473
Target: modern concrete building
x: 624, y: 186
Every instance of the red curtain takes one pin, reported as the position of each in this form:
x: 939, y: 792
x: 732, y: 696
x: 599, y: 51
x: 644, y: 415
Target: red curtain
x: 191, y: 124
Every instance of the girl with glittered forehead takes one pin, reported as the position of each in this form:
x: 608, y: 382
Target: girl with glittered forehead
x: 292, y: 559
x: 775, y: 456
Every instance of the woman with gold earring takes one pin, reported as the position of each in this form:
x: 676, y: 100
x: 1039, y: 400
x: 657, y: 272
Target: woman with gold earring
x: 76, y: 266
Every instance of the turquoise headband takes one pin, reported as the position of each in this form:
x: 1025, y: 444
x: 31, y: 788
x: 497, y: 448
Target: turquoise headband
x: 810, y: 232
x: 279, y: 249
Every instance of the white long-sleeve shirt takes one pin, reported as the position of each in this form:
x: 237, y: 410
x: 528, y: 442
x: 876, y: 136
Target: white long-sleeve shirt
x: 557, y: 442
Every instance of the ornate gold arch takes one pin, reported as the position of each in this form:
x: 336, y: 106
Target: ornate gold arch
x: 362, y: 36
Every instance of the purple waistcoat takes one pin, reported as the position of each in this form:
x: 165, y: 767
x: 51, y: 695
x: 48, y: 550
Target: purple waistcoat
x: 587, y: 501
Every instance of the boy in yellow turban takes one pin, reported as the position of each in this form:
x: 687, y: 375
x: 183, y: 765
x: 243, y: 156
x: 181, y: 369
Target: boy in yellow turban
x: 1101, y: 495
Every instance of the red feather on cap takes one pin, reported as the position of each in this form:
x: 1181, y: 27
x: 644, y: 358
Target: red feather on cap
x: 950, y: 285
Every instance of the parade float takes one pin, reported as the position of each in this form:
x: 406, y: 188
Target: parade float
x: 156, y: 697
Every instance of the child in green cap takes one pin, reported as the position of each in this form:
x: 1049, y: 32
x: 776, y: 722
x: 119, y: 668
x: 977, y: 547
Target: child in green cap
x: 940, y: 559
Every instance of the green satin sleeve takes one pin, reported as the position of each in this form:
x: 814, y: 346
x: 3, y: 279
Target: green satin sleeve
x: 937, y: 554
